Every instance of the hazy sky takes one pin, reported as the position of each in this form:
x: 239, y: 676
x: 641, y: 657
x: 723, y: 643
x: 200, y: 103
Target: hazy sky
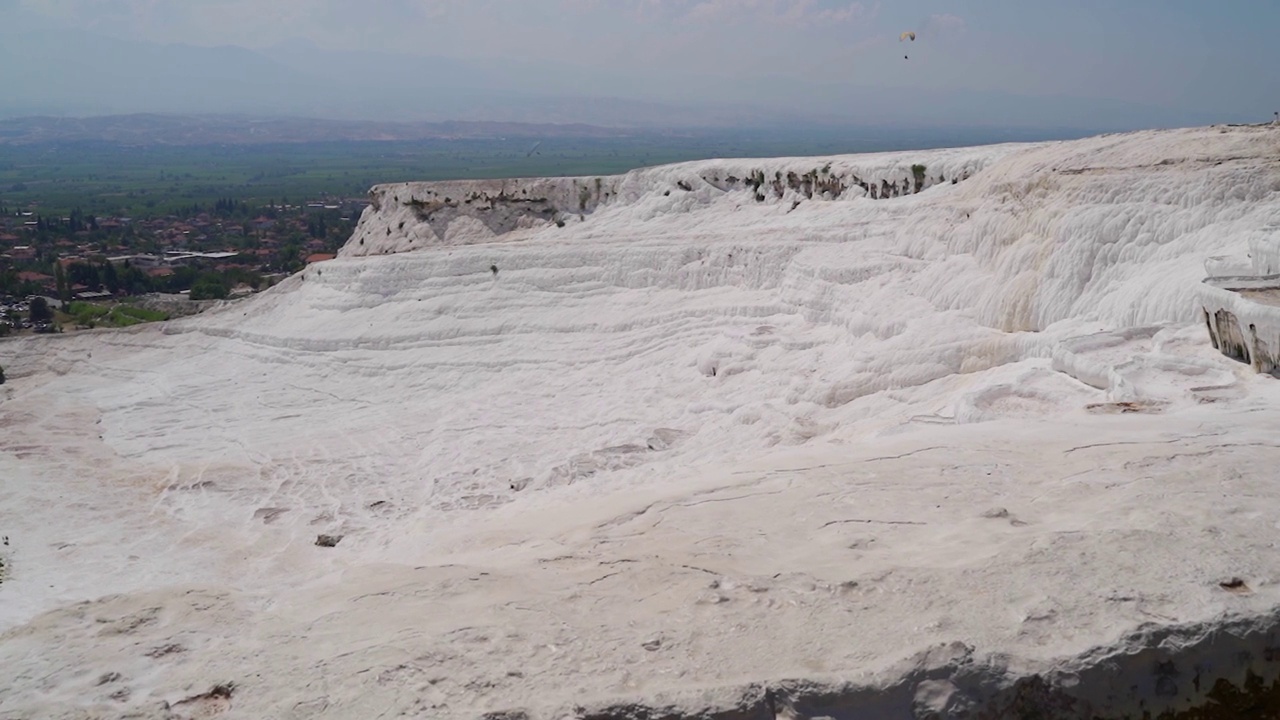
x: 1185, y: 56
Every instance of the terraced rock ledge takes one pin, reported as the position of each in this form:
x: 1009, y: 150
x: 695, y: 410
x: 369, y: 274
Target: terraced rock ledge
x: 1223, y: 671
x: 1242, y: 311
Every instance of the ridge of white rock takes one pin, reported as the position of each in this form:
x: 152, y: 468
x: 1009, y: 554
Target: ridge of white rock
x: 415, y: 215
x: 676, y: 446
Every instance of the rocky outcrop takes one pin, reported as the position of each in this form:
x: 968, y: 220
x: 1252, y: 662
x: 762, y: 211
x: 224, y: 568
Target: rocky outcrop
x: 1242, y: 311
x: 414, y: 216
x: 1209, y: 672
x: 1206, y: 671
x: 411, y: 216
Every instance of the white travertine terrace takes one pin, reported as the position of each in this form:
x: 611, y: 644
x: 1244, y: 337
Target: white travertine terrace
x: 858, y: 437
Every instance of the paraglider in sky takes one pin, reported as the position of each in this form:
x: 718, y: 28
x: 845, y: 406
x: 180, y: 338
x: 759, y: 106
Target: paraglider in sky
x: 908, y: 35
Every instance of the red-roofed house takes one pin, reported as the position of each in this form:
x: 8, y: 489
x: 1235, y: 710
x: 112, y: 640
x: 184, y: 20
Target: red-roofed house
x: 45, y: 282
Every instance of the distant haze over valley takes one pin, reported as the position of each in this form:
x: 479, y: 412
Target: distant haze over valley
x: 151, y: 129
x: 164, y: 129
x: 807, y: 63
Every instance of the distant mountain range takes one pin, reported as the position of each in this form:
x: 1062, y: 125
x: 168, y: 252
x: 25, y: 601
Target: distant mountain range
x: 158, y: 129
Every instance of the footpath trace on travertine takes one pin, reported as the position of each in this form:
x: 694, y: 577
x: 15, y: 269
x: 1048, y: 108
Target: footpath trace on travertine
x: 930, y: 434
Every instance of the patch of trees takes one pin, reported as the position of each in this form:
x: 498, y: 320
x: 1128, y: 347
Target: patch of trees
x: 40, y: 311
x: 76, y: 222
x: 10, y: 284
x: 99, y: 276
x: 231, y: 206
x: 129, y: 280
x: 209, y: 287
x: 289, y: 259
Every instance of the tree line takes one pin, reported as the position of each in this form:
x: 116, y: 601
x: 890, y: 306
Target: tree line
x: 125, y: 279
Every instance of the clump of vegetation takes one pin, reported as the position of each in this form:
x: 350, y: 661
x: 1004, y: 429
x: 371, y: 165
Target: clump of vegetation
x: 39, y: 311
x: 209, y: 288
x: 1, y: 374
x: 86, y: 315
x: 917, y: 171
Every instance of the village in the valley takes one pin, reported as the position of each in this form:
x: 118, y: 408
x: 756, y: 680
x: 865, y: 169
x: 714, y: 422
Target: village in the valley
x: 67, y: 272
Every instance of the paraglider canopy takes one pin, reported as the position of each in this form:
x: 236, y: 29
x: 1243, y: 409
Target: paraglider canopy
x: 908, y: 35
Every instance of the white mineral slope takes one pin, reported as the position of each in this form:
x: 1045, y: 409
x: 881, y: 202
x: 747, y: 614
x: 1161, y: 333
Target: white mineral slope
x: 698, y: 449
